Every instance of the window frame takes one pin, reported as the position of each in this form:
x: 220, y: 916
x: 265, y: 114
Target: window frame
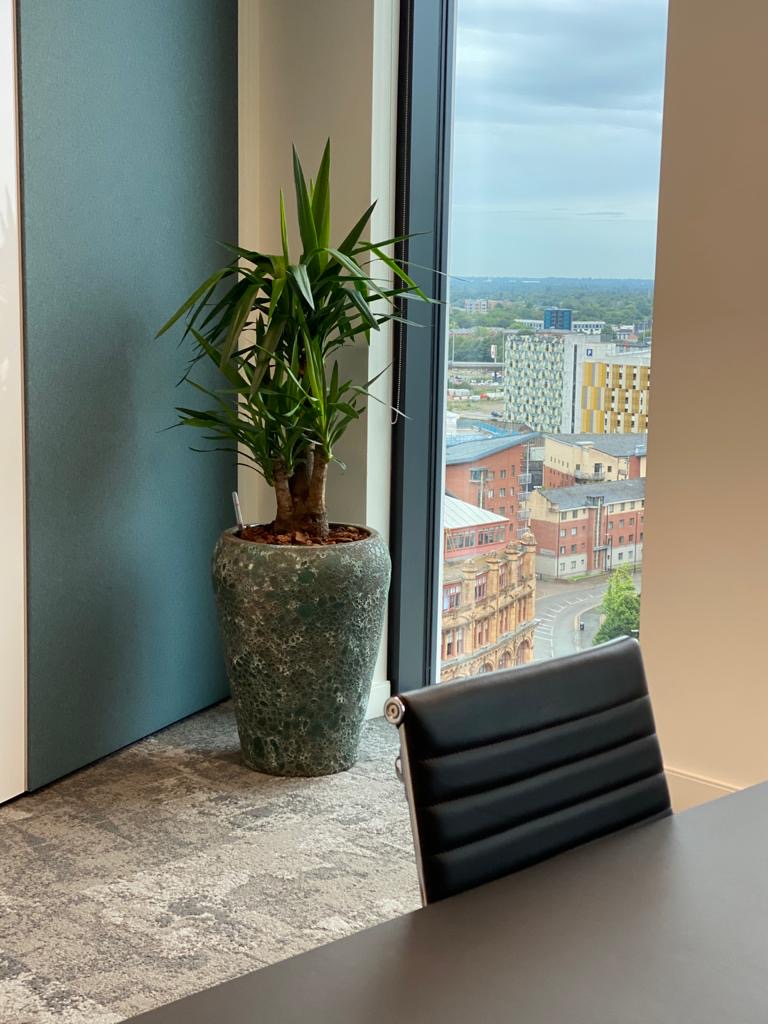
x: 422, y: 194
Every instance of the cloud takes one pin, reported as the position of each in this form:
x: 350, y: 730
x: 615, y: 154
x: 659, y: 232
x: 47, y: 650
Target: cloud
x: 558, y: 111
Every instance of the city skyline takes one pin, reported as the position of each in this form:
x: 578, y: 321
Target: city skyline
x: 557, y: 138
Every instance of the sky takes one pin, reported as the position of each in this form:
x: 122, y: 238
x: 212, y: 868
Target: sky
x: 557, y: 137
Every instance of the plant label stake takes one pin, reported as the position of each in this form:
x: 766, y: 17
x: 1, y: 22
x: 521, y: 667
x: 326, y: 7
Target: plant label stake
x: 238, y: 513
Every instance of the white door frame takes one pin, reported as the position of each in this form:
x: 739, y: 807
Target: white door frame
x: 13, y: 684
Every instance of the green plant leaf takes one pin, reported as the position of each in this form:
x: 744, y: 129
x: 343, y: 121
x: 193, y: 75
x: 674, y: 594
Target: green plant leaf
x: 301, y: 277
x: 241, y: 313
x: 307, y: 228
x: 352, y: 238
x: 396, y: 269
x: 284, y: 230
x: 206, y: 288
x: 321, y: 199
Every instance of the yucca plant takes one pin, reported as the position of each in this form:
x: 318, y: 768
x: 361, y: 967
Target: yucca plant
x: 274, y: 334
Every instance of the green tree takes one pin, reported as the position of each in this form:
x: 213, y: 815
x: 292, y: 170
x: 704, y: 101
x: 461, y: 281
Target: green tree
x: 620, y: 606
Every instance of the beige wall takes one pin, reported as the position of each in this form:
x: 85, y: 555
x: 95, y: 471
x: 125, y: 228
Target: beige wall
x: 12, y: 539
x: 565, y: 457
x: 309, y: 71
x: 704, y: 607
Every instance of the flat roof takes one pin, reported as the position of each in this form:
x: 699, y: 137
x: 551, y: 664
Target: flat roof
x: 471, y: 451
x: 608, y: 444
x: 458, y: 514
x: 611, y: 492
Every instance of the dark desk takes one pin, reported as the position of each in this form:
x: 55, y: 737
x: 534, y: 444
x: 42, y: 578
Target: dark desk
x: 664, y: 924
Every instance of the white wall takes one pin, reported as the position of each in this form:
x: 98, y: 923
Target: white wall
x: 704, y: 605
x: 12, y: 534
x: 309, y: 71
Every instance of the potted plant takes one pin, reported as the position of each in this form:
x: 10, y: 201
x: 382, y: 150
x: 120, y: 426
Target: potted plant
x: 300, y: 601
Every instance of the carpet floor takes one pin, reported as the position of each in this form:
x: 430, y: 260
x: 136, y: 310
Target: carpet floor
x: 169, y: 867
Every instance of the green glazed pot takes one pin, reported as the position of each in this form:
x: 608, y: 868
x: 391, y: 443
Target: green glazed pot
x: 301, y: 628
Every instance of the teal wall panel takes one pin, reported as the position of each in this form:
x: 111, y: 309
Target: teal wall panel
x: 129, y: 150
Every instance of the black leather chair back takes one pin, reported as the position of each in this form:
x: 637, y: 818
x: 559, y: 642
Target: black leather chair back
x: 507, y: 769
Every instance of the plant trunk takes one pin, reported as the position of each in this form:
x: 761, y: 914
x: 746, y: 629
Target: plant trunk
x: 301, y: 500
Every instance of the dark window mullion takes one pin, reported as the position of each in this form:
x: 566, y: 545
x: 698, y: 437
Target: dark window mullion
x: 425, y: 111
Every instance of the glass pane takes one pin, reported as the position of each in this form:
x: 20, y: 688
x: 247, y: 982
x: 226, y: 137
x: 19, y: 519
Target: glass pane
x: 553, y: 230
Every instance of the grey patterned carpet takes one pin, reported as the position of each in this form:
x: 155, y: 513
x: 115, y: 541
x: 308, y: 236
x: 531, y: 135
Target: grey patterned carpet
x: 169, y: 867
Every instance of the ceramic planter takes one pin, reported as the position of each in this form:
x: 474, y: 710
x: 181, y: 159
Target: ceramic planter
x: 301, y: 628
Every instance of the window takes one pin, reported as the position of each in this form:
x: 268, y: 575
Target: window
x: 621, y: 522
x: 621, y: 556
x: 460, y: 640
x: 517, y: 151
x: 481, y: 586
x: 448, y: 643
x: 451, y: 596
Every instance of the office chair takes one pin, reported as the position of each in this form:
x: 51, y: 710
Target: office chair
x: 507, y: 769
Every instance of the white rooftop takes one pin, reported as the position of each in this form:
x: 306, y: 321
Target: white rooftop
x: 458, y: 514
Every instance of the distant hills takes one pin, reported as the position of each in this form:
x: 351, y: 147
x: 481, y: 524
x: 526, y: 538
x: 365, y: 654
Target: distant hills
x: 615, y: 300
x: 495, y: 287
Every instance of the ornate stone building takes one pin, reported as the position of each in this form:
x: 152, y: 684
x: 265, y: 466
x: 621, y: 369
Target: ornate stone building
x: 489, y: 582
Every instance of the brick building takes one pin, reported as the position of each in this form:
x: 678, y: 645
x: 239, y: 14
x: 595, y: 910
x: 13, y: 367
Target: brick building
x: 495, y: 474
x: 582, y: 458
x: 588, y: 528
x: 489, y: 583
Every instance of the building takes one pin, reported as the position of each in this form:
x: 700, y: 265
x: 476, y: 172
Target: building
x: 533, y: 325
x: 489, y: 583
x: 496, y: 474
x: 564, y: 382
x: 588, y: 326
x: 588, y: 528
x: 580, y: 458
x: 615, y: 393
x: 542, y: 378
x: 475, y: 305
x: 557, y: 319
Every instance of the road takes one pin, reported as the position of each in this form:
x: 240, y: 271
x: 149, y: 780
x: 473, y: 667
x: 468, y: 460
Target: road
x: 558, y: 608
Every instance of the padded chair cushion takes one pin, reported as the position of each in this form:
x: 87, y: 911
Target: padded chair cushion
x: 515, y: 766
